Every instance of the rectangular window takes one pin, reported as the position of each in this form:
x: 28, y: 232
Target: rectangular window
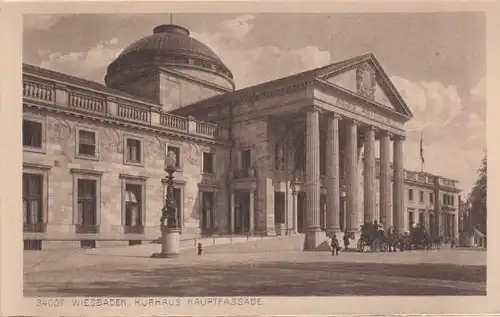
x: 32, y: 134
x: 246, y: 159
x: 177, y: 152
x: 208, y: 163
x: 410, y: 194
x: 134, y: 150
x: 87, y: 205
x: 133, y: 208
x: 410, y: 219
x: 421, y: 218
x: 431, y: 197
x: 421, y: 196
x: 87, y: 142
x: 32, y: 202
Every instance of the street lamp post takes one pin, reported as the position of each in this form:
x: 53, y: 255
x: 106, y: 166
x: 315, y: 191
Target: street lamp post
x: 170, y: 246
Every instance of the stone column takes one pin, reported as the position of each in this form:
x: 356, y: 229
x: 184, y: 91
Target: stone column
x: 385, y: 181
x: 437, y: 212
x: 313, y: 181
x: 294, y: 210
x: 252, y: 211
x: 352, y: 176
x: 232, y: 212
x: 332, y: 176
x: 398, y: 184
x: 369, y: 176
x: 455, y: 218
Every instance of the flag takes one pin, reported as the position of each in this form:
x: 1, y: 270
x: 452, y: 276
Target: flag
x: 422, y: 148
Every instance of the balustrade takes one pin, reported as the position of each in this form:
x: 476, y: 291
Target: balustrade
x: 207, y: 129
x: 174, y: 122
x: 133, y: 113
x: 95, y: 102
x: 87, y: 103
x: 38, y: 91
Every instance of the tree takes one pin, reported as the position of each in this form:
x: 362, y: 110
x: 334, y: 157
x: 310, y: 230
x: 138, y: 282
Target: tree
x: 477, y: 198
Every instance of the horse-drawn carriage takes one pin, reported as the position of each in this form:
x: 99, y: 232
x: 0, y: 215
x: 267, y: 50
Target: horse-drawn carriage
x: 374, y: 238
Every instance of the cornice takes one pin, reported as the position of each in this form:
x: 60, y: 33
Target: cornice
x: 137, y: 125
x: 187, y: 77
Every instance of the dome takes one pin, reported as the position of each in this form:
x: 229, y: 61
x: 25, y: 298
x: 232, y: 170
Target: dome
x: 168, y: 45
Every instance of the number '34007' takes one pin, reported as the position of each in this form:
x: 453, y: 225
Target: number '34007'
x: 49, y: 302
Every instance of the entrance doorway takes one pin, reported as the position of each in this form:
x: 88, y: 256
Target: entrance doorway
x: 242, y: 212
x: 301, y: 212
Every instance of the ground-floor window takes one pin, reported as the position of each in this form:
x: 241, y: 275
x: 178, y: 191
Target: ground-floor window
x: 32, y: 202
x: 87, y: 205
x: 134, y: 207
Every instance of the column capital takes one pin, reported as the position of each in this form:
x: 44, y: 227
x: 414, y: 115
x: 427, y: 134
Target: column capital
x: 351, y: 121
x: 315, y: 108
x: 334, y: 115
x: 385, y: 133
x: 398, y: 137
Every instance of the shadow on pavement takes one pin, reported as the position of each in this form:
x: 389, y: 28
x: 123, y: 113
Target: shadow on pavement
x: 276, y: 279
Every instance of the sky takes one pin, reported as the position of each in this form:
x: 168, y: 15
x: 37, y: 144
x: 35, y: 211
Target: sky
x: 436, y: 60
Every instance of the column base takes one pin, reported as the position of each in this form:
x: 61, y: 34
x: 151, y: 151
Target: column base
x: 330, y: 232
x: 316, y: 240
x: 170, y: 243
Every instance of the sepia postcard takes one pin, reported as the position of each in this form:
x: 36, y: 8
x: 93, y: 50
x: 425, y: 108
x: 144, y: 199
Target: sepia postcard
x: 248, y: 158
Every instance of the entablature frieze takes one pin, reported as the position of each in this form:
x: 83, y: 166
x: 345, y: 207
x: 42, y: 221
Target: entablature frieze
x: 392, y: 127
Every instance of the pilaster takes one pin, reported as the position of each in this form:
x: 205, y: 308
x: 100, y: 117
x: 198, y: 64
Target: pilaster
x: 252, y: 211
x: 232, y: 213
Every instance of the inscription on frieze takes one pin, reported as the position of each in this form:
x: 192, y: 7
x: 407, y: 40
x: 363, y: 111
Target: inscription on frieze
x: 352, y: 107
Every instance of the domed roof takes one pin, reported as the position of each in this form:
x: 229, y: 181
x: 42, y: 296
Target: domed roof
x: 170, y: 43
x: 169, y: 37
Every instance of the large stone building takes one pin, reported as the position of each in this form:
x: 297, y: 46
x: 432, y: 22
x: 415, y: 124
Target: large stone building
x: 296, y: 154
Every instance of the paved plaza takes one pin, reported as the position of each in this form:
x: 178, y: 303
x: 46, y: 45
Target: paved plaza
x: 230, y: 271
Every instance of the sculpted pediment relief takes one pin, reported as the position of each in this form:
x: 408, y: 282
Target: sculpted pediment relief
x: 364, y: 76
x: 362, y: 81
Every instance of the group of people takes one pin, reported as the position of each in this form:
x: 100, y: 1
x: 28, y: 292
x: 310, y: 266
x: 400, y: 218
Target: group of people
x: 336, y: 245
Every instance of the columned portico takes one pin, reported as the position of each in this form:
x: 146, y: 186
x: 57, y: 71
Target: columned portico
x: 333, y: 175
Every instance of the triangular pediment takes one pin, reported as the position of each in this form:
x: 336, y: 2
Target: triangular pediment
x: 364, y: 76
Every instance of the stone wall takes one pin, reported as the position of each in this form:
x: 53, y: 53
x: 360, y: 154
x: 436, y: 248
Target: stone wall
x: 254, y: 134
x: 176, y: 92
x: 60, y: 155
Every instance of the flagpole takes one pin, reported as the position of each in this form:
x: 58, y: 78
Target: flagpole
x: 422, y: 161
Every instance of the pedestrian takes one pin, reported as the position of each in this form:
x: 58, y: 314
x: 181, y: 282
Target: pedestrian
x: 346, y: 240
x: 200, y: 249
x: 335, y: 245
